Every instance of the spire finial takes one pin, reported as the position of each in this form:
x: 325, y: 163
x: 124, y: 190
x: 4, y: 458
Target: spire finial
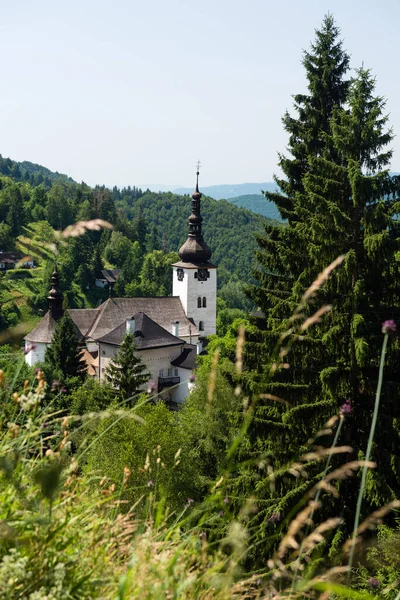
x: 55, y: 297
x: 198, y: 165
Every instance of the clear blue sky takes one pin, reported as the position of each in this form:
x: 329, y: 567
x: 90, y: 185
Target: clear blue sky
x: 130, y: 92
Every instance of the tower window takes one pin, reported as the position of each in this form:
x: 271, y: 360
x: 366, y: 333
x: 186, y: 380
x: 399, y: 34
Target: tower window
x: 199, y: 302
x: 201, y: 326
x: 204, y: 302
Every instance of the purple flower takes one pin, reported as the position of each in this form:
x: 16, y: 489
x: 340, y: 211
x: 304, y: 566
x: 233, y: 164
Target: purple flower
x: 346, y: 408
x: 152, y: 387
x: 221, y: 513
x: 389, y: 326
x: 274, y: 518
x: 374, y: 583
x: 226, y: 500
x: 29, y: 347
x: 55, y: 385
x: 64, y: 390
x: 189, y: 502
x: 150, y: 483
x: 192, y: 378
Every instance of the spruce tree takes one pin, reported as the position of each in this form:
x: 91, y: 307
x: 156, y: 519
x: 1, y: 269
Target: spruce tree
x: 281, y: 255
x: 345, y: 205
x: 63, y: 358
x: 126, y: 372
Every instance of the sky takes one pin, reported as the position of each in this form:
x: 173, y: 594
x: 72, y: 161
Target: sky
x: 125, y: 92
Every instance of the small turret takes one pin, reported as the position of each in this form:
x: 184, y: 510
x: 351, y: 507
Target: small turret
x: 55, y: 297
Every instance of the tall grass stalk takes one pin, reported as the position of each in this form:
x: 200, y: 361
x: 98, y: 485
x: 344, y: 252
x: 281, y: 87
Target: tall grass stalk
x: 368, y: 453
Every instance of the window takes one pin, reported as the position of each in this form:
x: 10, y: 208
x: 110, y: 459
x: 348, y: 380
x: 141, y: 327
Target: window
x: 201, y: 326
x: 176, y: 372
x: 170, y: 372
x: 161, y: 373
x: 204, y: 302
x: 199, y: 302
x: 103, y: 352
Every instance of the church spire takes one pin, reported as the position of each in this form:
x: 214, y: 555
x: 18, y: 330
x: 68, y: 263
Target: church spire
x: 55, y: 297
x: 195, y: 250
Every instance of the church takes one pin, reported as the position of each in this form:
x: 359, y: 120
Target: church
x: 169, y: 331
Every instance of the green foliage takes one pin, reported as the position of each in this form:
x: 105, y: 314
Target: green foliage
x: 126, y: 372
x: 63, y: 358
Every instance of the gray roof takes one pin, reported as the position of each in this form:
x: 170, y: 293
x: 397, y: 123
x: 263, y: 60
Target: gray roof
x: 190, y: 265
x: 44, y: 331
x: 83, y: 318
x: 187, y: 358
x: 164, y: 311
x: 96, y: 323
x: 110, y: 275
x: 148, y: 334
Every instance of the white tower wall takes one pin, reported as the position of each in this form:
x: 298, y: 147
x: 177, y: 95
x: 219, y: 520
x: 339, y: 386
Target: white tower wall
x: 190, y: 289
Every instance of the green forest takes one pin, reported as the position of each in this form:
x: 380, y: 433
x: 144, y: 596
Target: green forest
x: 279, y: 477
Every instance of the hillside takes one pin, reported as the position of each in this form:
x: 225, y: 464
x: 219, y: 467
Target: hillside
x: 224, y: 191
x: 258, y: 204
x: 31, y: 172
x: 228, y: 230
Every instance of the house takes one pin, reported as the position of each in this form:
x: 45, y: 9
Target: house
x: 108, y: 278
x: 169, y: 331
x: 11, y: 260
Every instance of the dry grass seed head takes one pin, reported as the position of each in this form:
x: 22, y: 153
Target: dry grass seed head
x: 239, y: 350
x: 302, y: 518
x: 316, y: 317
x: 321, y: 279
x: 81, y: 227
x: 371, y: 522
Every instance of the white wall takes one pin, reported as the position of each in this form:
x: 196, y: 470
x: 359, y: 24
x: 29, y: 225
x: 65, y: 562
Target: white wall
x: 159, y: 358
x: 34, y: 352
x: 190, y: 289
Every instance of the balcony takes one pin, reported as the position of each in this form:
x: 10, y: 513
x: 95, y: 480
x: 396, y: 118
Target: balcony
x: 164, y: 382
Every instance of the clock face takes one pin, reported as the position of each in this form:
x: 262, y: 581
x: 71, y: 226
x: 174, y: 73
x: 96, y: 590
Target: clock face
x: 180, y: 274
x: 203, y: 275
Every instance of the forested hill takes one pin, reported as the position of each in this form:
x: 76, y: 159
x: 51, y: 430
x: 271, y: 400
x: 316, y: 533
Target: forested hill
x: 228, y: 230
x: 31, y: 173
x: 258, y: 204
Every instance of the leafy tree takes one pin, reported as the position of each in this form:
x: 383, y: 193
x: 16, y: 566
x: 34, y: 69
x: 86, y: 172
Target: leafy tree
x: 126, y: 372
x: 63, y: 358
x: 6, y: 239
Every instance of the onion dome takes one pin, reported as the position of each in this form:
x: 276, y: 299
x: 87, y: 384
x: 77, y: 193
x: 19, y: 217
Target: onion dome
x: 195, y: 250
x: 55, y: 297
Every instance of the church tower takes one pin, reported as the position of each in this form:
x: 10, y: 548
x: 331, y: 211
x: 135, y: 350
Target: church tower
x: 194, y: 277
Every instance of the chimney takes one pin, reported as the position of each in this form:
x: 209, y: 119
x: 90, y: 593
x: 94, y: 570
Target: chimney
x: 130, y: 325
x: 175, y: 328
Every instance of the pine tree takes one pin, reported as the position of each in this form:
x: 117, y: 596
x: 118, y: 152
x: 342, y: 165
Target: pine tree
x: 63, y: 357
x: 126, y: 371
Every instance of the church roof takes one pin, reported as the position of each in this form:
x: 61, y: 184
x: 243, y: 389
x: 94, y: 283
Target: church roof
x: 187, y: 358
x: 195, y: 249
x: 96, y: 323
x: 42, y: 333
x: 163, y: 311
x: 148, y: 334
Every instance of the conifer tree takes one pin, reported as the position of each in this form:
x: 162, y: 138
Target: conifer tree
x: 126, y: 372
x: 281, y: 255
x: 345, y: 205
x: 63, y: 357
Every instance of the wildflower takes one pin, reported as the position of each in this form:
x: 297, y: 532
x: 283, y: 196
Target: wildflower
x: 192, y: 378
x: 150, y: 483
x: 374, y: 583
x: 221, y: 513
x: 346, y: 408
x: 55, y: 385
x: 189, y: 502
x: 29, y: 347
x: 203, y: 536
x: 152, y: 387
x: 15, y: 396
x: 389, y: 326
x: 64, y: 390
x: 127, y: 474
x: 274, y: 518
x: 226, y: 500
